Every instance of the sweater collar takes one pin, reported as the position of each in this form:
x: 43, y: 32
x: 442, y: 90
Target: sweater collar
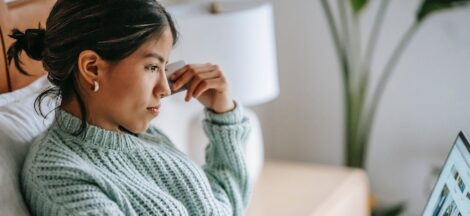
x: 93, y: 136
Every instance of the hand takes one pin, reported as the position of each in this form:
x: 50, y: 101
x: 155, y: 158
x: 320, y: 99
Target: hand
x: 206, y: 83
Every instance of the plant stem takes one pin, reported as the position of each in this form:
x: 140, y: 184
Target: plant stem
x: 364, y: 75
x: 341, y: 53
x: 354, y: 55
x: 370, y: 48
x: 349, y: 144
x: 336, y: 40
x: 354, y: 98
x: 375, y: 32
x: 383, y: 82
x: 345, y: 34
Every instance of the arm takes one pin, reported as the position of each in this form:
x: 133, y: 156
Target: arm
x: 225, y: 165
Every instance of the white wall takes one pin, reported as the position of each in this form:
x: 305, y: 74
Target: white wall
x: 423, y: 108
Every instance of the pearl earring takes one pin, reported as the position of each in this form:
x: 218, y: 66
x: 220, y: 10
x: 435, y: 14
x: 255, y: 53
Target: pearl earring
x: 96, y: 86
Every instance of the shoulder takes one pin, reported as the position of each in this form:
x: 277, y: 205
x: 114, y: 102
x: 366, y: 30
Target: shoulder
x: 50, y: 157
x: 55, y: 177
x: 51, y: 146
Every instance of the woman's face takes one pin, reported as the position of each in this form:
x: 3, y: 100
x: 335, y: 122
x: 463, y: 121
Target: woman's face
x: 130, y: 90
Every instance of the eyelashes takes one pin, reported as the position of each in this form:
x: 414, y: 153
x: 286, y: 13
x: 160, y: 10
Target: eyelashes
x: 153, y: 68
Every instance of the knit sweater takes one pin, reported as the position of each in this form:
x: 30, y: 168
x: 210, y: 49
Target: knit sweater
x: 103, y: 172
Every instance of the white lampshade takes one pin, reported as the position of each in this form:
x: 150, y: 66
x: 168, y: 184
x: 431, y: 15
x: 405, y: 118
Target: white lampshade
x: 240, y: 39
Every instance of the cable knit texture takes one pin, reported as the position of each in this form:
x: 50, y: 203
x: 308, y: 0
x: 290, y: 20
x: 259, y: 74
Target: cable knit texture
x: 103, y: 172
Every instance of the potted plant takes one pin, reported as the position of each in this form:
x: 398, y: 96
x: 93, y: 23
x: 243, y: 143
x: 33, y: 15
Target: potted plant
x: 360, y: 108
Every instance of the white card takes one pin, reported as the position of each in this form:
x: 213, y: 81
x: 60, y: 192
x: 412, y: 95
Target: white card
x: 170, y: 69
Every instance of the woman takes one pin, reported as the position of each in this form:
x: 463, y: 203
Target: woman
x: 106, y: 60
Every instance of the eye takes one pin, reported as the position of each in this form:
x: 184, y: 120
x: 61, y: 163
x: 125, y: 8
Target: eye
x: 152, y: 68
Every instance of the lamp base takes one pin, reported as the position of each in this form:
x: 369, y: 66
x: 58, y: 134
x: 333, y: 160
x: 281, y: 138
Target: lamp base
x: 254, y: 148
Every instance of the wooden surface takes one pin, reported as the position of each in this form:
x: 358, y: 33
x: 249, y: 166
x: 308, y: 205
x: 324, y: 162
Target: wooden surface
x: 294, y: 188
x: 4, y: 26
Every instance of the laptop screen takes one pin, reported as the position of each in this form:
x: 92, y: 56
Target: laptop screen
x: 451, y: 193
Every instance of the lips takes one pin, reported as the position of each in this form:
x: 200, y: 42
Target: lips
x: 154, y: 109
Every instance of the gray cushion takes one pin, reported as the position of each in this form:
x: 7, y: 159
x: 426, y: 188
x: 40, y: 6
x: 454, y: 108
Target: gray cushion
x: 19, y: 125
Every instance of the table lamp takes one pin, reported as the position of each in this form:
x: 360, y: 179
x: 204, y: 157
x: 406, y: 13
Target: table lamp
x: 238, y: 36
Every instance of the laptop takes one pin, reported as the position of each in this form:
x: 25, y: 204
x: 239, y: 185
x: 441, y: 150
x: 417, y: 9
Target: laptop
x: 451, y: 193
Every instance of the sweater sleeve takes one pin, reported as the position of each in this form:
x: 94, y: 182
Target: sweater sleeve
x: 225, y: 165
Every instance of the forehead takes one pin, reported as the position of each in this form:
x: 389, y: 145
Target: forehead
x: 160, y: 44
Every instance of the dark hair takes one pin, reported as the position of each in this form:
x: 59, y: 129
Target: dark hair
x: 113, y: 29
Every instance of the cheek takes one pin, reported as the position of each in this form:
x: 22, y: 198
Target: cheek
x: 121, y: 89
x: 131, y: 91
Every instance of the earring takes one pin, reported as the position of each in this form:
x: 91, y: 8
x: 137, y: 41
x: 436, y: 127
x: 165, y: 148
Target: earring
x: 96, y: 86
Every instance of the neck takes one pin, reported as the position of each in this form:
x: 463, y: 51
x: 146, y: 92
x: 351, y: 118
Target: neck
x: 72, y: 106
x: 65, y: 124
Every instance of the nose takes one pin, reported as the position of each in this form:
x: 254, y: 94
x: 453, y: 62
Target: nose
x: 162, y: 88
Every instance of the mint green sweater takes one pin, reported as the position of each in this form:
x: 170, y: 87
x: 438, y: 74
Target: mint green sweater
x: 103, y: 172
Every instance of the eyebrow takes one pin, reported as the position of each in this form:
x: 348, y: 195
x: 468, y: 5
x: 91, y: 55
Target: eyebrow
x: 155, y: 55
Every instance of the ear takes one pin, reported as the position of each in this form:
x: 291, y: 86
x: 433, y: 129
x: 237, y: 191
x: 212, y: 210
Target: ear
x: 90, y: 66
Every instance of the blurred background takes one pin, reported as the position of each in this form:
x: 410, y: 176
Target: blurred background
x: 424, y: 106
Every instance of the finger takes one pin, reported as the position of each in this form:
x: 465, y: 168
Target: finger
x: 207, y: 84
x: 178, y: 73
x: 196, y: 79
x: 181, y: 71
x: 199, y: 78
x: 187, y: 97
x: 188, y: 75
x: 183, y: 79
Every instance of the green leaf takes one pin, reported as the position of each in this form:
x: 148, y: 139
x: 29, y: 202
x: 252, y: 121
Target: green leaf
x: 358, y: 5
x: 431, y: 6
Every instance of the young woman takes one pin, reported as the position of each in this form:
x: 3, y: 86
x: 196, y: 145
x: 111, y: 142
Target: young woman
x: 106, y: 60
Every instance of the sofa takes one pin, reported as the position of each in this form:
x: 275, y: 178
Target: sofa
x: 14, y: 143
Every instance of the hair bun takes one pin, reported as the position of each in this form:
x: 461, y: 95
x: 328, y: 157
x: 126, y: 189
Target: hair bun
x: 31, y: 41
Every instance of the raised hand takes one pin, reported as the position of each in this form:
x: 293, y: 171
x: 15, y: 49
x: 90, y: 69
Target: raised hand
x: 206, y: 83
